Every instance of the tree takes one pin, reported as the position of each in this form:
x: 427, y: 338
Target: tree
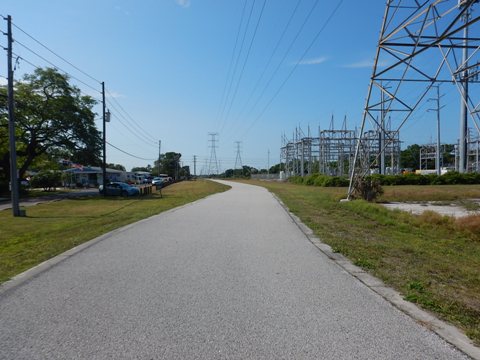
x: 141, y: 169
x: 275, y: 169
x: 116, y: 167
x: 410, y: 157
x: 52, y: 117
x: 169, y: 164
x: 448, y: 155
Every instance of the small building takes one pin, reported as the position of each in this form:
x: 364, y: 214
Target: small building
x: 91, y: 176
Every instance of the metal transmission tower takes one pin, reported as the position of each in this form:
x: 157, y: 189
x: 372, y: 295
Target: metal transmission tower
x: 238, y: 158
x: 213, y: 163
x: 421, y: 44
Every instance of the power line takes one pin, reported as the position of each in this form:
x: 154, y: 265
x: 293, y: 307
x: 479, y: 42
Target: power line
x: 271, y: 57
x: 57, y: 55
x: 119, y: 116
x: 244, y: 64
x: 28, y: 62
x: 231, y: 59
x: 296, y: 65
x: 56, y: 66
x: 289, y: 49
x: 236, y: 62
x: 287, y: 52
x: 127, y: 153
x: 19, y: 57
x: 130, y: 117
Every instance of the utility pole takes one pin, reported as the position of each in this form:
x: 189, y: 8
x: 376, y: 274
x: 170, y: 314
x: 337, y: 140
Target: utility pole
x: 437, y: 110
x: 194, y: 165
x: 268, y: 162
x: 14, y: 184
x: 381, y: 134
x: 104, y: 163
x: 462, y: 148
x: 159, y: 155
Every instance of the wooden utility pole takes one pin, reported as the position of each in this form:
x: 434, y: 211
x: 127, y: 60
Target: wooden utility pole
x: 104, y: 162
x: 14, y: 183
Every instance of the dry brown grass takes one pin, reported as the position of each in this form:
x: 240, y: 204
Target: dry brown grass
x: 430, y: 192
x: 470, y: 223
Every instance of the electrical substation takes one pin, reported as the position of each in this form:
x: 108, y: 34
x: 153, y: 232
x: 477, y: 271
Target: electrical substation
x: 424, y: 48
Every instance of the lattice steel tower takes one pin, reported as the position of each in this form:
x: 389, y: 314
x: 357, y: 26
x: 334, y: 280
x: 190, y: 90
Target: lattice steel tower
x: 238, y: 158
x: 422, y: 43
x: 213, y: 168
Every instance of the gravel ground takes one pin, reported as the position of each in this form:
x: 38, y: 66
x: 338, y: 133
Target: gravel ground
x: 227, y: 277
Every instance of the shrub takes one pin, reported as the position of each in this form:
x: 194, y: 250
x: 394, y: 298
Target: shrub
x: 47, y: 180
x: 367, y: 188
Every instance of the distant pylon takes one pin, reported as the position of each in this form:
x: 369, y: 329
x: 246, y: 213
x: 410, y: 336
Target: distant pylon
x: 213, y: 163
x: 238, y: 159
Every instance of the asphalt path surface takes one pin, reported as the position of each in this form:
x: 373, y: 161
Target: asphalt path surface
x: 227, y: 277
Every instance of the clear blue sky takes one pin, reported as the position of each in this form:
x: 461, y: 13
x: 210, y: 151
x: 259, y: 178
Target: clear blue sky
x: 166, y: 63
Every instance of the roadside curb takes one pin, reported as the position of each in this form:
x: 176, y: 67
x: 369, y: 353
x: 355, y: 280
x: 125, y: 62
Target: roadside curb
x: 447, y: 332
x: 31, y: 273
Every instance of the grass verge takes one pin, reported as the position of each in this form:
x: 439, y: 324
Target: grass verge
x: 52, y: 228
x: 433, y: 261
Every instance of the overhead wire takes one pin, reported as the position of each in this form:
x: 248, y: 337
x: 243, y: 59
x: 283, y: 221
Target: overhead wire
x: 231, y: 60
x: 72, y: 76
x: 287, y: 52
x: 56, y: 66
x: 279, y: 65
x: 244, y: 64
x: 129, y: 154
x: 145, y: 137
x: 330, y: 17
x: 271, y: 57
x: 38, y: 67
x: 129, y: 116
x: 119, y: 116
x: 236, y: 63
x: 54, y: 53
x: 130, y: 129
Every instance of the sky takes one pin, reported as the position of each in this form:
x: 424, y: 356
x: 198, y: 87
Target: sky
x: 176, y: 71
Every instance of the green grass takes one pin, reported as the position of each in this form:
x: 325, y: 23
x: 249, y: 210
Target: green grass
x: 432, y: 260
x: 52, y: 228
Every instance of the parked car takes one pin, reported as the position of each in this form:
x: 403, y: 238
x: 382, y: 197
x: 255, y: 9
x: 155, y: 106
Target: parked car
x: 157, y: 181
x: 119, y: 189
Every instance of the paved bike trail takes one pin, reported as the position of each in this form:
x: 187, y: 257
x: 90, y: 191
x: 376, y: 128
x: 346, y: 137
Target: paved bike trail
x: 227, y: 277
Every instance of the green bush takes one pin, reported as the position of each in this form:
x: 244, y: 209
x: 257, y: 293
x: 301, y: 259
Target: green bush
x: 450, y: 178
x: 47, y: 180
x: 320, y: 180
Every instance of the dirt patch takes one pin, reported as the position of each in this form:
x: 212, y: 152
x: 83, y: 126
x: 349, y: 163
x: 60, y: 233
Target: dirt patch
x: 449, y: 209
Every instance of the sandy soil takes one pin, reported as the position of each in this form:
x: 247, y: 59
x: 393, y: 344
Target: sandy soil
x: 449, y: 209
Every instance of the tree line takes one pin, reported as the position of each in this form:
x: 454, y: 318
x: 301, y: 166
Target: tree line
x: 53, y: 120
